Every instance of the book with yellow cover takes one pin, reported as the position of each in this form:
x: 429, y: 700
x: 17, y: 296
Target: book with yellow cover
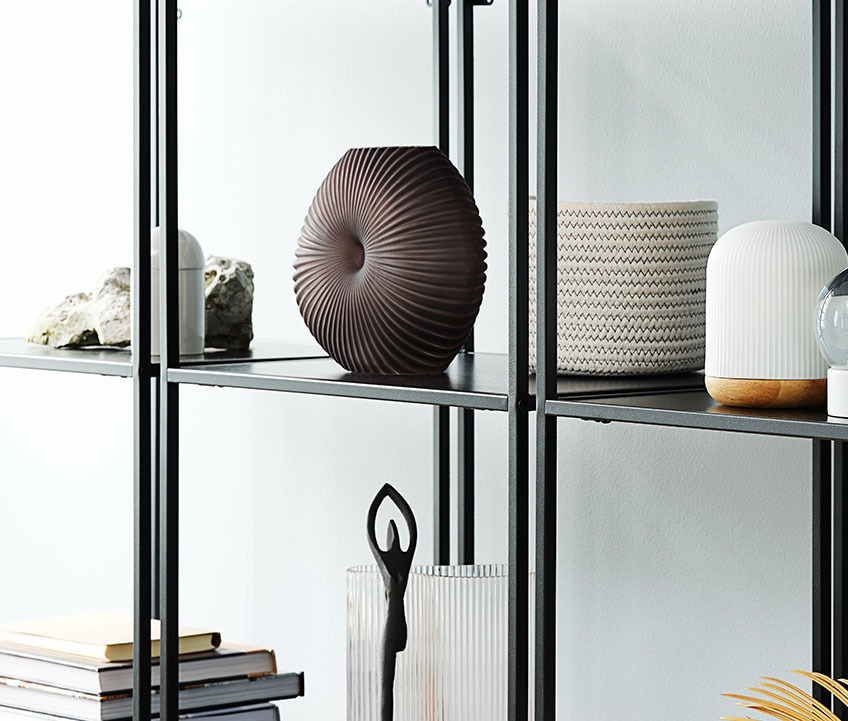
x: 99, y: 636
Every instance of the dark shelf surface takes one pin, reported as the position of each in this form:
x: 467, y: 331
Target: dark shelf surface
x: 698, y: 410
x: 17, y: 353
x: 259, y: 351
x: 474, y: 380
x: 573, y: 387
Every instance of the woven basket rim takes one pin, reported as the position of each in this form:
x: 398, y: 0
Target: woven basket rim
x: 608, y: 207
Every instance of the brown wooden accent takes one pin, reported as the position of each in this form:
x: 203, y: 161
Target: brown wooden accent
x: 767, y: 393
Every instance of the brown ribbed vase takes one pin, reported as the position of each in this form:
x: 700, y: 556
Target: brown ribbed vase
x: 390, y: 262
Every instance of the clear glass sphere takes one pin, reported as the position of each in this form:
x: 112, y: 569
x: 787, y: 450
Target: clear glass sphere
x: 832, y: 321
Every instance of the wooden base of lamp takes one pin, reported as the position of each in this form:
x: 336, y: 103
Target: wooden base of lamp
x: 767, y: 393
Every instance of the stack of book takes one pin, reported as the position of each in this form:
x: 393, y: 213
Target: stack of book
x: 80, y: 667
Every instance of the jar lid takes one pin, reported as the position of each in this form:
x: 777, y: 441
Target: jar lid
x: 190, y: 253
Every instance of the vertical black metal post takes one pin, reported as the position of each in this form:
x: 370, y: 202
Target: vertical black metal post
x: 441, y: 79
x: 821, y: 114
x: 822, y: 470
x: 441, y: 486
x: 154, y: 584
x: 840, y: 570
x: 155, y: 489
x: 156, y: 115
x: 840, y: 502
x: 142, y: 367
x: 821, y: 565
x: 465, y: 487
x: 519, y: 396
x: 546, y: 367
x: 839, y: 189
x: 441, y: 415
x: 465, y: 88
x: 465, y: 145
x: 169, y: 358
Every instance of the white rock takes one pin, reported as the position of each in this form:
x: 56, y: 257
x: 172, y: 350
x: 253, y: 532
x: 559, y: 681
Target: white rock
x: 110, y: 302
x: 70, y: 323
x: 103, y: 316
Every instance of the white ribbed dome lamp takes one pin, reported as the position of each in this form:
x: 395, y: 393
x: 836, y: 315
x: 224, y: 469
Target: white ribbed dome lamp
x: 763, y: 280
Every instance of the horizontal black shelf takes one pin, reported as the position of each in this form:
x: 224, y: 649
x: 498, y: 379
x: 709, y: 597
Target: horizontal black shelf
x: 576, y: 387
x: 474, y: 380
x: 17, y: 353
x: 698, y: 410
x: 259, y: 352
x: 477, y: 380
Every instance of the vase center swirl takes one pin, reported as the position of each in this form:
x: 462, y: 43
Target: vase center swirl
x: 356, y: 253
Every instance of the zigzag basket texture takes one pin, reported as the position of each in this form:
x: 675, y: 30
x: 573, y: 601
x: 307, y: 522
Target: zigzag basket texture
x: 631, y: 286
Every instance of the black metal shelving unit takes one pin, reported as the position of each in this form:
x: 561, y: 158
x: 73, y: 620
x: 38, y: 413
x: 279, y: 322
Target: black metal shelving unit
x: 473, y: 382
x: 694, y: 408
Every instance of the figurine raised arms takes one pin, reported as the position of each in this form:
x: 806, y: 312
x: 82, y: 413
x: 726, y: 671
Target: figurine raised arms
x: 394, y: 564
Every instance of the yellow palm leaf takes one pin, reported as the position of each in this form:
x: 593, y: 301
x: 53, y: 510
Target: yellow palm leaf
x: 802, y: 697
x: 784, y: 701
x: 835, y: 688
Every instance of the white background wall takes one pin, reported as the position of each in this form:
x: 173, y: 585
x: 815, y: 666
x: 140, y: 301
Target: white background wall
x: 684, y: 556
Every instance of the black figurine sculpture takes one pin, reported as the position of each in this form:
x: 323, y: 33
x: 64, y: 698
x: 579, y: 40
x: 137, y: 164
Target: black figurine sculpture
x: 394, y: 564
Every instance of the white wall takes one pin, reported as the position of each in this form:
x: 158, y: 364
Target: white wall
x: 684, y: 555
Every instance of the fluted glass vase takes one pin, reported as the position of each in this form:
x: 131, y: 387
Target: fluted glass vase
x: 454, y: 666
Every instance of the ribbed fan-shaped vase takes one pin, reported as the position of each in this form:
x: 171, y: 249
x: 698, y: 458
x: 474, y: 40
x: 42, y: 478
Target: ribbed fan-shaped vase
x: 390, y: 262
x: 763, y: 281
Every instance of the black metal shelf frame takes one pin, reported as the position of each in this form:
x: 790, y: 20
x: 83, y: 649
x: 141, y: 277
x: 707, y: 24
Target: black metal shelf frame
x: 695, y: 410
x: 166, y: 482
x: 476, y: 381
x: 478, y: 384
x: 142, y: 368
x: 828, y: 543
x: 519, y: 392
x: 156, y: 453
x: 472, y: 381
x: 441, y: 413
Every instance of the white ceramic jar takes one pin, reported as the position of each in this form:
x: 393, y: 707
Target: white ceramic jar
x: 192, y: 294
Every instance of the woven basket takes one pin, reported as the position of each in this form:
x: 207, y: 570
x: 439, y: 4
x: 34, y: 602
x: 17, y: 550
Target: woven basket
x: 630, y: 287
